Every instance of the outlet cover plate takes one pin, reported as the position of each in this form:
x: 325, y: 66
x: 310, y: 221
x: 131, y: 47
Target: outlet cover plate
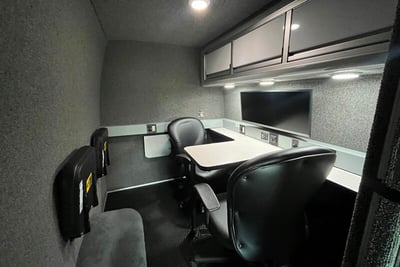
x: 295, y: 143
x: 242, y: 129
x: 264, y: 136
x: 151, y: 128
x: 273, y: 139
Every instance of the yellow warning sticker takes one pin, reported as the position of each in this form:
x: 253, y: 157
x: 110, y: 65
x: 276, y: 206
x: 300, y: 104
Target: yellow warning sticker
x: 89, y: 182
x: 105, y: 146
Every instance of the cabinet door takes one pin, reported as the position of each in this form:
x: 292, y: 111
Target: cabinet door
x: 218, y: 60
x: 324, y: 22
x: 263, y: 43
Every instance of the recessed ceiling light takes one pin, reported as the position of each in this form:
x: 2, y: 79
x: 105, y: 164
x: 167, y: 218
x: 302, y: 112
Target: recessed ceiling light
x: 229, y: 86
x: 199, y: 4
x: 266, y: 83
x: 345, y: 76
x: 295, y: 26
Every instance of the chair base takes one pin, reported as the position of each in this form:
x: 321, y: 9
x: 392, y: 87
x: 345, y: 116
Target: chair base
x: 206, y: 251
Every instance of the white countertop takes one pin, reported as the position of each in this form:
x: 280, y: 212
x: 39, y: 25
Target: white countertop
x: 243, y: 148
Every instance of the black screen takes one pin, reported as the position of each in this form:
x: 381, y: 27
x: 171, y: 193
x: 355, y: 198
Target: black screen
x: 288, y: 111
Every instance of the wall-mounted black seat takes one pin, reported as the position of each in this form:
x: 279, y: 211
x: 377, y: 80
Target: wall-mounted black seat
x: 261, y: 215
x: 190, y: 131
x: 112, y: 238
x: 99, y: 141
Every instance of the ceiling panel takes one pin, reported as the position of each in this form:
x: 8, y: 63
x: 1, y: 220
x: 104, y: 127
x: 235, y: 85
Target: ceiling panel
x: 171, y: 21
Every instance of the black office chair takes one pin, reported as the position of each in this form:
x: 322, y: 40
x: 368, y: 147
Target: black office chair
x: 261, y: 215
x: 190, y: 131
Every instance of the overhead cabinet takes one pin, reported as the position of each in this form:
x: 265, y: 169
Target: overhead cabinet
x: 325, y: 23
x: 302, y: 33
x: 261, y: 44
x: 218, y: 61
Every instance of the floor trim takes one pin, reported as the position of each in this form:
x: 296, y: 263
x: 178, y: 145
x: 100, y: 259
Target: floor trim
x: 142, y: 185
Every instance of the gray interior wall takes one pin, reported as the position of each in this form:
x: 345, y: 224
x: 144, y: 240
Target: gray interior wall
x: 342, y: 111
x: 51, y: 55
x: 145, y: 82
x: 130, y: 167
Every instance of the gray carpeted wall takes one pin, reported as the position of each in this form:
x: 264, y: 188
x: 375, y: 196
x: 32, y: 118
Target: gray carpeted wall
x: 374, y: 236
x: 147, y: 82
x: 130, y: 167
x: 50, y: 66
x: 342, y: 111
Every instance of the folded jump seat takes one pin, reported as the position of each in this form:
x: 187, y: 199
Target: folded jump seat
x: 99, y: 141
x: 112, y: 238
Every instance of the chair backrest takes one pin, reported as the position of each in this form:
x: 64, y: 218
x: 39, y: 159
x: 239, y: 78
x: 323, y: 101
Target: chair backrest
x: 99, y: 140
x: 266, y: 199
x: 76, y: 192
x: 184, y: 132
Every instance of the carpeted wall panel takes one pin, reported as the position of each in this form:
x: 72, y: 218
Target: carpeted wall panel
x: 51, y: 55
x: 342, y: 111
x: 147, y: 82
x: 372, y: 238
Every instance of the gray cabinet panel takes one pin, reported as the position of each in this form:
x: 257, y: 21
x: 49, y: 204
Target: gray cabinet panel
x: 326, y: 21
x: 263, y: 43
x: 218, y: 60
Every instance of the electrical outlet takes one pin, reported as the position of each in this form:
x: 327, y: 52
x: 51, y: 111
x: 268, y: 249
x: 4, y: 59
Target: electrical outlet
x: 264, y: 136
x: 295, y: 143
x: 273, y: 139
x: 242, y: 129
x: 151, y: 128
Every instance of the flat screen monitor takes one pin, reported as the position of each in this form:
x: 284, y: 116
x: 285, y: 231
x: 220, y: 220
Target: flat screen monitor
x: 287, y: 111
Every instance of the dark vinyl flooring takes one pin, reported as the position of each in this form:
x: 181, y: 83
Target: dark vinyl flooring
x: 166, y: 226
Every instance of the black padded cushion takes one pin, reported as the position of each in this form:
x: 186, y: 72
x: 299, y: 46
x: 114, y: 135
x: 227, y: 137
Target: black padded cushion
x: 266, y: 199
x: 190, y: 131
x: 99, y: 141
x: 116, y: 239
x: 218, y: 224
x: 184, y: 132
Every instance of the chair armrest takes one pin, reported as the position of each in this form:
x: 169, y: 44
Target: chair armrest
x: 183, y: 158
x: 207, y: 196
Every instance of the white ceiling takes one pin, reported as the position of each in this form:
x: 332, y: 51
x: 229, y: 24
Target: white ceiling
x: 172, y: 21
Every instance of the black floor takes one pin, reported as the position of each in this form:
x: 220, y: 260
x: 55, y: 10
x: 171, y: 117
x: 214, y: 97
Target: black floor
x: 166, y: 227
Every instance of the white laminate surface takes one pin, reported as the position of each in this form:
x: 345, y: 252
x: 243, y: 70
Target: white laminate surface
x: 243, y: 148
x: 214, y: 155
x: 346, y: 179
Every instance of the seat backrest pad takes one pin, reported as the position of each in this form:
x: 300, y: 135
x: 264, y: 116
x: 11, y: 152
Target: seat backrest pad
x: 267, y: 197
x: 184, y: 132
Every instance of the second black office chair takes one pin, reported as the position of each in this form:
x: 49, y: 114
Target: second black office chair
x: 190, y: 131
x: 261, y: 216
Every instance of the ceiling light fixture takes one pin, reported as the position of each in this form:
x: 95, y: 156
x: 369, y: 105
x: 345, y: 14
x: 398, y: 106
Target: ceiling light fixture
x: 295, y: 26
x: 266, y: 83
x: 199, y: 4
x: 345, y: 76
x: 229, y: 86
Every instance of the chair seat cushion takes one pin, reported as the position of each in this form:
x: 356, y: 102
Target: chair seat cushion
x: 218, y: 224
x: 116, y: 239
